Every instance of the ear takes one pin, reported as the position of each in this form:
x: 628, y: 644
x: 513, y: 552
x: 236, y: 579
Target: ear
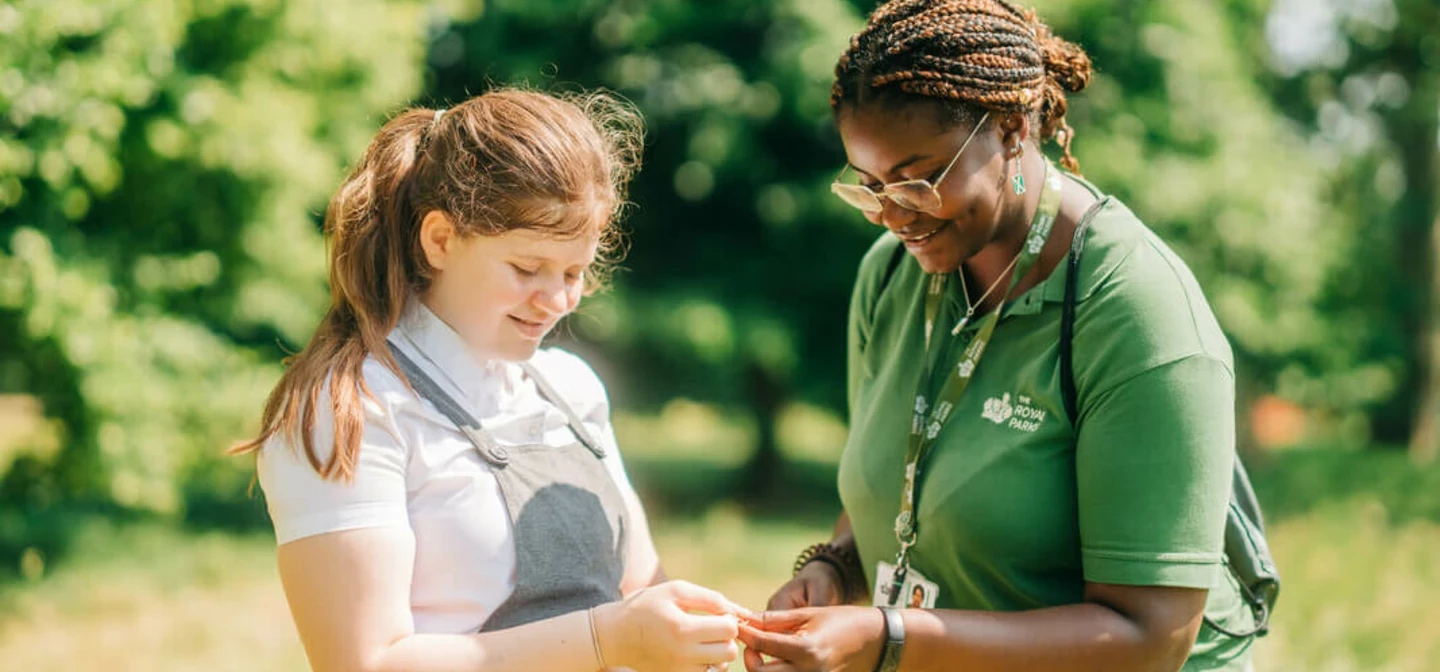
x: 1014, y: 131
x: 438, y: 236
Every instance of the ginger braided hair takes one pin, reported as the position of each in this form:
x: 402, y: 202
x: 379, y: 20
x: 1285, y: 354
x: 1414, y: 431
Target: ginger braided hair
x: 966, y: 55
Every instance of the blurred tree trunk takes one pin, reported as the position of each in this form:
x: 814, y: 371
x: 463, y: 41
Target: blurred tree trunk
x: 1417, y: 135
x: 766, y: 396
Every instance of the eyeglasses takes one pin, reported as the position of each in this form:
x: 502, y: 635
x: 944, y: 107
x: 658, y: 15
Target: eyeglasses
x: 917, y: 195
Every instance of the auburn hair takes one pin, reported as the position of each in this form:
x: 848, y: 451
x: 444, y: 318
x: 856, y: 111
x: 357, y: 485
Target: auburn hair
x: 504, y: 160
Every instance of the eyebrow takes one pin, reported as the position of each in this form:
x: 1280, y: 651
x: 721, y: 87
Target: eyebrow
x: 909, y: 160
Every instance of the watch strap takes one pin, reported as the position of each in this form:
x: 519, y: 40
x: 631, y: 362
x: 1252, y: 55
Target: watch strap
x: 894, y: 640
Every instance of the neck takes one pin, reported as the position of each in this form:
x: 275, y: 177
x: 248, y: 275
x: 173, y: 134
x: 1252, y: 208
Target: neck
x: 441, y: 311
x: 990, y: 264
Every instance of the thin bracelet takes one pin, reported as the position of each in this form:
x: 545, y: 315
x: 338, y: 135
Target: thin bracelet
x: 595, y: 638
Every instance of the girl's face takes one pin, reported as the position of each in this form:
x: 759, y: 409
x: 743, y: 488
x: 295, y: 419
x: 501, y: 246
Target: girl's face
x: 502, y: 294
x: 886, y: 146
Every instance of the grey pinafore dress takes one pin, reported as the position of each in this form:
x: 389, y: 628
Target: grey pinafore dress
x: 567, y: 513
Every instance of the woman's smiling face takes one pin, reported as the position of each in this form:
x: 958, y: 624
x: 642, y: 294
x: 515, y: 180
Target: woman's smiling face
x: 887, y: 145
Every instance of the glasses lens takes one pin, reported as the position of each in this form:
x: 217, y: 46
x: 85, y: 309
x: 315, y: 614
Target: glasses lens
x: 857, y: 196
x: 914, y: 195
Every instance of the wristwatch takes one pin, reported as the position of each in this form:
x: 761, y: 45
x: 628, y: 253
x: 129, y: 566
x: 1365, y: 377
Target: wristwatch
x: 894, y: 640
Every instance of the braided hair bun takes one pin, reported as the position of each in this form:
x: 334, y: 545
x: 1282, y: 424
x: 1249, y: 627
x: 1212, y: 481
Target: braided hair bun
x: 966, y: 55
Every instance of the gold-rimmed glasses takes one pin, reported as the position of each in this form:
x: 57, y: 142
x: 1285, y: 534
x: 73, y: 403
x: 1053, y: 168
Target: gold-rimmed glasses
x: 918, y: 195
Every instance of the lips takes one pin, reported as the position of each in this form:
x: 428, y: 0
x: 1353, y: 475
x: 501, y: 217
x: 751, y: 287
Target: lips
x: 531, y: 328
x: 917, y: 240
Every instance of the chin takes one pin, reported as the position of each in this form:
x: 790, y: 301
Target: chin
x: 933, y: 264
x: 517, y: 351
x: 942, y: 259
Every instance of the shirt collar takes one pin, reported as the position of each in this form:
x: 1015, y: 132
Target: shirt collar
x: 483, y: 383
x: 1095, y: 265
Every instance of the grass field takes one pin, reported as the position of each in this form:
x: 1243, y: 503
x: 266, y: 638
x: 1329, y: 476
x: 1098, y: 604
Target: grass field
x: 1356, y: 534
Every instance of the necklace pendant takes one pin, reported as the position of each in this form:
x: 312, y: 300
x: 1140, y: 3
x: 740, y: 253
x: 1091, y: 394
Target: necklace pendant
x: 959, y: 326
x: 1017, y: 183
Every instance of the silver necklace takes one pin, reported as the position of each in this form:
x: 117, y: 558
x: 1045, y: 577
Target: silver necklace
x: 970, y: 307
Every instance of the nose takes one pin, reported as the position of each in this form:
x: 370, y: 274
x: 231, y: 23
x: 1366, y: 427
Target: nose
x: 553, y: 297
x: 894, y: 217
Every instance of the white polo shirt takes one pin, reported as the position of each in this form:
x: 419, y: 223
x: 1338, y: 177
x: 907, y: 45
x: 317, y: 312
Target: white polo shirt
x: 418, y: 471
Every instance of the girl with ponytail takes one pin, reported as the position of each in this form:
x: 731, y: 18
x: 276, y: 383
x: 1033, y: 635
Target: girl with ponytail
x: 447, y: 495
x: 1048, y: 511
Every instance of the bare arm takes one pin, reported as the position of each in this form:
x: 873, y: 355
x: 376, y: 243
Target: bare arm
x: 349, y: 594
x: 1116, y: 629
x: 642, y: 562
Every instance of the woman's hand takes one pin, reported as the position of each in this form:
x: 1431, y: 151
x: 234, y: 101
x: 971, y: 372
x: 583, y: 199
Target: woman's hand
x: 671, y: 626
x: 829, y: 639
x: 816, y: 585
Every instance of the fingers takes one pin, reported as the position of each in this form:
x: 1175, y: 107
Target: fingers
x: 753, y: 661
x: 817, y: 585
x: 776, y: 665
x: 781, y: 621
x: 709, y: 628
x: 790, y: 596
x: 691, y: 597
x: 774, y: 644
x: 714, y: 653
x: 821, y: 594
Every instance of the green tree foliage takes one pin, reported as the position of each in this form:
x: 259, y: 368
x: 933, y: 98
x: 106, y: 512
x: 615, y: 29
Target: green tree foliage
x: 1364, y: 80
x: 163, y: 166
x: 1180, y: 124
x: 742, y: 262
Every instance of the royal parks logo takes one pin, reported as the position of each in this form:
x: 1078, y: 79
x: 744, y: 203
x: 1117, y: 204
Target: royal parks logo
x: 1021, y: 415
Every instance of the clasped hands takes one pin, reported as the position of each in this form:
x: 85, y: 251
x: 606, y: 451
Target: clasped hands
x: 805, y: 628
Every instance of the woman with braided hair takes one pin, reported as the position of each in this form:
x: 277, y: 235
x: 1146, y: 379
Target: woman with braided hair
x: 1048, y: 511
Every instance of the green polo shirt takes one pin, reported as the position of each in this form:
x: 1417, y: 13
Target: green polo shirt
x: 1016, y: 510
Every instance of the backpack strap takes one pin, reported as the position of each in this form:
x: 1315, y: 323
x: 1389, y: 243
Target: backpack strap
x: 895, y: 258
x: 1067, y: 315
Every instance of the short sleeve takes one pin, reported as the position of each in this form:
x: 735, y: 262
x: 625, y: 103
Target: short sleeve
x: 1153, y: 463
x: 302, y: 504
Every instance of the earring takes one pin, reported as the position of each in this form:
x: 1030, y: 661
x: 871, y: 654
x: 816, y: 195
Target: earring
x: 1017, y: 183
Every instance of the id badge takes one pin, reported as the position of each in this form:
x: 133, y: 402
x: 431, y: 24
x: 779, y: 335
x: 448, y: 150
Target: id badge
x: 917, y: 592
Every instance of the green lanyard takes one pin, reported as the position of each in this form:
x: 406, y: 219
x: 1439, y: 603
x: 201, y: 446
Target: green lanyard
x: 924, y: 428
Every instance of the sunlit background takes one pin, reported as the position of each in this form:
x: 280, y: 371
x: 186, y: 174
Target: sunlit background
x: 164, y: 165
